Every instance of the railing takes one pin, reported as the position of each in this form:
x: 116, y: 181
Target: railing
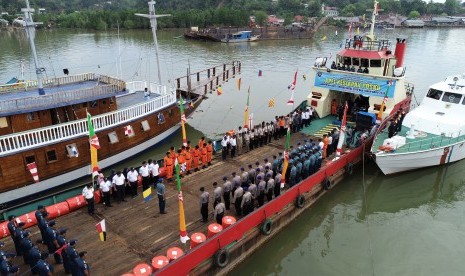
x: 59, y: 97
x: 429, y: 143
x: 135, y: 86
x: 44, y: 136
x: 376, y: 45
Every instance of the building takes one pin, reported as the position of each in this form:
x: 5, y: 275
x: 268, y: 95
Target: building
x: 273, y: 20
x: 442, y: 22
x: 329, y: 11
x: 413, y: 23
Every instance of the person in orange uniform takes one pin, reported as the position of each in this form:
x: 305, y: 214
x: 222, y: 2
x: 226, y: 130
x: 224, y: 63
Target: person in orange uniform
x: 281, y: 124
x: 188, y: 157
x: 325, y: 145
x: 168, y: 163
x: 209, y: 152
x: 196, y: 158
x: 173, y: 154
x: 201, y: 142
x: 181, y: 161
x: 333, y: 107
x: 203, y: 154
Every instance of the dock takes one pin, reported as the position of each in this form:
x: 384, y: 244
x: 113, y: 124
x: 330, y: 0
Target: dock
x: 136, y: 232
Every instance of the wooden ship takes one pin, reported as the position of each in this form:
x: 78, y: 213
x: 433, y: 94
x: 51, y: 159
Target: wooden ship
x: 44, y: 122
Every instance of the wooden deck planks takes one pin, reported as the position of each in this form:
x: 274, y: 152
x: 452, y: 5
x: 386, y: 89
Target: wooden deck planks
x: 136, y: 232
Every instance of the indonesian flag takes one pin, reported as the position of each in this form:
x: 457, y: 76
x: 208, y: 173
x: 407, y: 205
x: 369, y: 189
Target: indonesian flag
x: 286, y: 157
x: 292, y: 88
x: 182, y: 220
x: 183, y: 120
x: 59, y: 250
x: 101, y: 230
x: 342, y: 133
x: 32, y: 167
x: 246, y: 112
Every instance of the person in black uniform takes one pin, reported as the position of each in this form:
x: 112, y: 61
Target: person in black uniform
x: 25, y: 245
x: 43, y: 267
x: 391, y: 129
x: 82, y: 267
x: 34, y: 257
x: 52, y: 242
x: 41, y: 221
x: 6, y: 267
x: 12, y: 227
x: 70, y: 254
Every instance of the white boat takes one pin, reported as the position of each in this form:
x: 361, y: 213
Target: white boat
x: 431, y: 134
x: 243, y: 36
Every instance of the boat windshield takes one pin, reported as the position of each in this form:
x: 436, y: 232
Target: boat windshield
x: 451, y: 97
x: 434, y: 94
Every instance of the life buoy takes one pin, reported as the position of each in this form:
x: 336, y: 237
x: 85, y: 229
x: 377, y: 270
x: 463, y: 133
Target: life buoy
x: 221, y: 258
x: 326, y: 183
x: 266, y: 227
x: 300, y: 201
x: 349, y: 168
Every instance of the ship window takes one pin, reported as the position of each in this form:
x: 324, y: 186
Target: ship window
x: 32, y: 116
x: 145, y: 125
x: 356, y: 61
x: 451, y: 97
x: 30, y: 159
x: 375, y: 63
x: 51, y: 156
x: 434, y: 94
x: 94, y: 104
x: 3, y: 122
x: 347, y: 60
x: 364, y: 62
x: 113, y: 137
x: 112, y: 100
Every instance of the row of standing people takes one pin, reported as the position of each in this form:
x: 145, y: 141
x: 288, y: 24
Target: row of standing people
x: 63, y: 250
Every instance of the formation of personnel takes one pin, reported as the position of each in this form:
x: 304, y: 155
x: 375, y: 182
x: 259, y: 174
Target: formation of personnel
x: 63, y: 250
x: 255, y: 185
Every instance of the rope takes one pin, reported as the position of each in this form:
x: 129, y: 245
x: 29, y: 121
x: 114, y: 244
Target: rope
x: 366, y: 212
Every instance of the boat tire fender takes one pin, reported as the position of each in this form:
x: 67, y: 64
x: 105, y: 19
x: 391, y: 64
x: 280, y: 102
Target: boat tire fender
x: 221, y: 258
x: 349, y: 168
x: 266, y: 227
x: 300, y: 201
x: 326, y: 183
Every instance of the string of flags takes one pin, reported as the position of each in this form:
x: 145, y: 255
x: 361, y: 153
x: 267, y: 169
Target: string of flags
x: 271, y: 103
x: 219, y: 90
x: 32, y: 167
x: 101, y: 230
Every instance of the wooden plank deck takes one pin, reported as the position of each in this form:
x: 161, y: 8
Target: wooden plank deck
x: 136, y: 232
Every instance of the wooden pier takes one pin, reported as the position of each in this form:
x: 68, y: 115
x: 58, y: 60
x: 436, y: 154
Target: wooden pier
x: 208, y: 80
x: 136, y: 232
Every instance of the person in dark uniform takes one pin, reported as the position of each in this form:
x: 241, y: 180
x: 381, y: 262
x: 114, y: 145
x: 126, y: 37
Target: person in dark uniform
x: 82, y: 267
x: 70, y: 254
x: 261, y: 188
x: 6, y: 268
x: 12, y: 227
x: 161, y: 194
x: 41, y: 221
x: 217, y: 193
x: 204, y: 199
x: 34, y: 257
x: 43, y: 267
x: 391, y: 129
x: 366, y: 71
x: 52, y: 242
x: 277, y: 184
x: 25, y: 245
x: 227, y: 187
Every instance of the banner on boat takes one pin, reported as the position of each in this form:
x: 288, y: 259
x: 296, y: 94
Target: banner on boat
x: 365, y: 86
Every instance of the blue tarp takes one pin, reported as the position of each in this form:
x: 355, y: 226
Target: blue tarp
x: 13, y: 80
x: 368, y: 114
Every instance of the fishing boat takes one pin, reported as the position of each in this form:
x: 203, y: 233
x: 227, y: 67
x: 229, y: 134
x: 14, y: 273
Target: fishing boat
x: 431, y: 134
x: 44, y: 132
x: 242, y: 36
x: 367, y: 74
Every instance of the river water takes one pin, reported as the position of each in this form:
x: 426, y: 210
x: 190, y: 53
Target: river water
x: 409, y: 224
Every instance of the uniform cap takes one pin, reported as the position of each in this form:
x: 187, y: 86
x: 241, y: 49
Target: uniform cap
x: 72, y: 242
x: 14, y: 269
x: 224, y: 178
x: 160, y: 179
x: 52, y: 223
x: 1, y: 244
x: 26, y: 233
x: 10, y: 255
x: 234, y: 173
x: 44, y: 255
x: 62, y: 231
x: 40, y: 207
x: 259, y: 177
x: 242, y: 169
x: 21, y: 224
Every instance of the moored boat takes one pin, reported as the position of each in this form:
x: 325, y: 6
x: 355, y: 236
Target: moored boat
x: 242, y: 36
x: 44, y: 123
x: 431, y: 134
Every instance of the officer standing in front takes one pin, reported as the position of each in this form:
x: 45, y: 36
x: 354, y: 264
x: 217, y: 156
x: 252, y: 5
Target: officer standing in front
x: 238, y: 193
x: 43, y: 267
x: 105, y: 186
x: 82, y: 267
x: 161, y: 194
x: 219, y: 212
x: 204, y: 199
x: 88, y: 193
x: 119, y: 181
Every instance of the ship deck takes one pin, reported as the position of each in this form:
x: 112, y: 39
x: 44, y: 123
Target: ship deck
x: 423, y: 141
x: 136, y: 232
x: 125, y: 99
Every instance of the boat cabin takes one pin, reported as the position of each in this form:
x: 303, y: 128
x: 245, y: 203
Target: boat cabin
x: 240, y: 35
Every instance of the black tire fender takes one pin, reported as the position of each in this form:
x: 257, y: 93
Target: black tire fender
x: 300, y: 201
x: 326, y: 183
x: 221, y: 258
x: 266, y: 227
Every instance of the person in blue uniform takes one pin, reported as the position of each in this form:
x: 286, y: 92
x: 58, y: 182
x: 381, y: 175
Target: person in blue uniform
x: 52, y: 242
x: 12, y: 227
x: 82, y: 267
x: 6, y: 267
x: 298, y: 166
x: 70, y: 254
x: 292, y: 174
x: 25, y: 245
x: 34, y: 257
x: 43, y: 267
x: 306, y: 167
x: 41, y: 220
x: 161, y: 194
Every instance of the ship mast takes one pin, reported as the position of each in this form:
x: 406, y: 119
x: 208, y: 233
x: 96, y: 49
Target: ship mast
x: 153, y: 23
x: 371, y: 35
x: 29, y: 26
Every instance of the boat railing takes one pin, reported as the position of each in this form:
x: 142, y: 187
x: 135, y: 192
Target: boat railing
x: 367, y: 45
x: 45, y: 136
x: 137, y: 86
x: 430, y: 143
x: 27, y: 103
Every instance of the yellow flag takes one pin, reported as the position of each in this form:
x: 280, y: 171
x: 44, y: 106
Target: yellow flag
x: 239, y: 84
x: 271, y: 103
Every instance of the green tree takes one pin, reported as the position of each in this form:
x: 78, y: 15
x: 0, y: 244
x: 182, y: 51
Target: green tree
x: 451, y: 7
x: 349, y: 10
x: 260, y: 17
x: 413, y: 15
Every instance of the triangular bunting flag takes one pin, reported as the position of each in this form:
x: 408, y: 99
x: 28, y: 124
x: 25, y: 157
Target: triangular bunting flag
x: 101, y: 230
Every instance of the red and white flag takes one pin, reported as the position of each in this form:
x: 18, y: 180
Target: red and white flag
x: 128, y: 131
x: 32, y: 167
x: 292, y: 88
x: 342, y: 133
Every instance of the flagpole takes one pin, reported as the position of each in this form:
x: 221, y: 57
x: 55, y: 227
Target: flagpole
x: 246, y: 112
x: 182, y: 219
x: 342, y: 132
x: 183, y: 121
x: 286, y: 158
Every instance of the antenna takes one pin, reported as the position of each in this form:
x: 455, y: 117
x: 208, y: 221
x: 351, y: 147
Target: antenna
x: 30, y: 28
x: 375, y: 10
x: 153, y: 23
